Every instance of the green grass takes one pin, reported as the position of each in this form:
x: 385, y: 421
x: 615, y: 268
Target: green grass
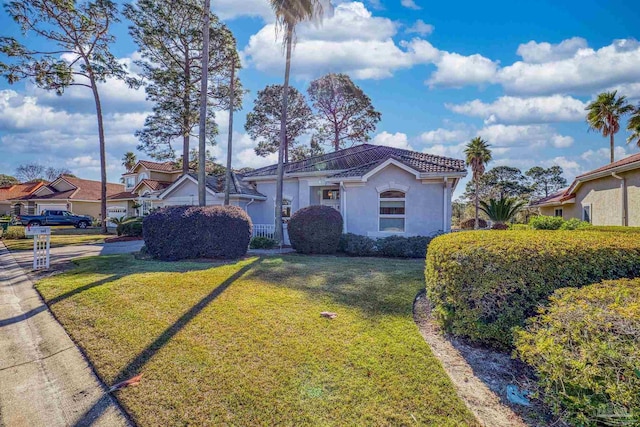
x: 243, y: 343
x: 60, y: 236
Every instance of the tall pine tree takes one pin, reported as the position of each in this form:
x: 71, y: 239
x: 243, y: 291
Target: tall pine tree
x: 170, y: 37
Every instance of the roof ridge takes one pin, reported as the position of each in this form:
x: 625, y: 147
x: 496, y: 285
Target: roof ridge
x: 369, y: 148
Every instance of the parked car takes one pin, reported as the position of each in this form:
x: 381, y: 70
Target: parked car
x: 56, y: 218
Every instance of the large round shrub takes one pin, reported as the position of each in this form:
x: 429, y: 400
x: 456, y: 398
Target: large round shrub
x: 315, y: 230
x: 187, y: 232
x: 485, y: 283
x: 585, y: 348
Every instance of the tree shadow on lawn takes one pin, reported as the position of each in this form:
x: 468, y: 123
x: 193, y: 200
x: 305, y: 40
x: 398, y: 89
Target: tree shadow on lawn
x: 375, y: 286
x: 136, y: 365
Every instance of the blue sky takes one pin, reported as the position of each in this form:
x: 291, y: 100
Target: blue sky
x: 516, y: 73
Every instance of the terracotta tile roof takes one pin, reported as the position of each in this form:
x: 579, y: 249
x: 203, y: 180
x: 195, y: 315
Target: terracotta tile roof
x: 627, y: 160
x: 125, y: 195
x: 155, y: 185
x: 18, y: 191
x: 85, y: 190
x: 359, y: 159
x: 161, y: 167
x: 557, y: 197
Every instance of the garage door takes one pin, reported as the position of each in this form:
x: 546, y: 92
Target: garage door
x: 52, y: 207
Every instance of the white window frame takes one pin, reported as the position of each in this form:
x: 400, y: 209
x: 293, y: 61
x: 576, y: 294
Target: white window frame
x: 392, y: 216
x: 133, y: 181
x: 555, y: 212
x: 590, y: 209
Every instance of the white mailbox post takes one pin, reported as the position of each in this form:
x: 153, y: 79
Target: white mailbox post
x: 41, y: 245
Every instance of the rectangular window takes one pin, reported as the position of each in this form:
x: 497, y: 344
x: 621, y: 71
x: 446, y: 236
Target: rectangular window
x: 131, y: 181
x: 330, y: 194
x: 558, y: 212
x: 586, y: 213
x: 391, y: 212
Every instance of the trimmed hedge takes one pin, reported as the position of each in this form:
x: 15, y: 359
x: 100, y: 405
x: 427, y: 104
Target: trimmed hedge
x: 484, y: 283
x: 575, y: 224
x: 392, y: 246
x: 187, y: 232
x: 130, y: 227
x: 585, y: 348
x: 469, y: 224
x: 613, y: 228
x: 14, y: 233
x: 263, y: 243
x: 315, y: 230
x: 542, y: 222
x: 357, y: 245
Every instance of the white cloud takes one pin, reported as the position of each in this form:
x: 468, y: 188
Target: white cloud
x: 586, y: 71
x: 537, y: 53
x: 441, y: 135
x: 561, y: 141
x: 410, y: 4
x: 420, y: 27
x: 514, y: 110
x: 396, y: 140
x: 352, y: 41
x: 455, y: 151
x: 229, y: 9
x: 531, y: 136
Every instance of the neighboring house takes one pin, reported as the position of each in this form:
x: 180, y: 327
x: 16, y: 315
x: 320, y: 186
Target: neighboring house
x: 80, y: 196
x: 18, y: 191
x: 142, y: 184
x: 609, y: 195
x: 379, y: 190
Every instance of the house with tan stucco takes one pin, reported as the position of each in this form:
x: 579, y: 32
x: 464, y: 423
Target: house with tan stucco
x: 609, y: 195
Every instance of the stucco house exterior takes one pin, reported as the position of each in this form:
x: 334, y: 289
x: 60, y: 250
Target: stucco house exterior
x: 609, y: 195
x: 80, y: 196
x: 11, y: 196
x: 379, y: 190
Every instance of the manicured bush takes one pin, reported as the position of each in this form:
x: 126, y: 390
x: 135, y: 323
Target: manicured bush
x: 357, y: 245
x: 499, y: 226
x: 187, y: 232
x: 613, y: 228
x: 131, y: 227
x: 263, y: 243
x: 14, y: 233
x: 469, y: 224
x: 519, y: 227
x: 543, y: 222
x: 315, y: 230
x: 585, y: 348
x: 403, y: 247
x: 574, y: 224
x: 485, y: 283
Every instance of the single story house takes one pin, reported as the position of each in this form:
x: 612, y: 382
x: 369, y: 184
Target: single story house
x: 10, y: 196
x: 379, y: 190
x: 80, y: 196
x: 609, y: 195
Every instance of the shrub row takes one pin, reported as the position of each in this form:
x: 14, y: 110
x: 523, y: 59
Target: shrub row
x: 585, y: 349
x: 485, y: 283
x: 14, y: 233
x: 130, y: 227
x: 469, y: 224
x: 543, y: 222
x: 315, y: 230
x: 187, y: 232
x: 392, y: 246
x: 263, y: 243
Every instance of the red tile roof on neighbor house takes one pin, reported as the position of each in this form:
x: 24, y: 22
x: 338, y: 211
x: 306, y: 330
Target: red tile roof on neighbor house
x: 125, y: 195
x: 569, y: 193
x: 17, y: 191
x: 160, y: 167
x: 85, y: 190
x: 155, y: 185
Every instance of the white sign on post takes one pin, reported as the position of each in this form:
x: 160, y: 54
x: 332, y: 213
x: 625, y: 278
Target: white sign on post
x: 41, y: 245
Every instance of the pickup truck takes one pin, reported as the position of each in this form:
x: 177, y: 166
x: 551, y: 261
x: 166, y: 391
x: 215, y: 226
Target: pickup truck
x: 56, y: 218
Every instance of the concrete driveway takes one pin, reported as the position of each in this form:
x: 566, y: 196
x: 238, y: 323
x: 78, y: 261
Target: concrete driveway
x: 67, y: 253
x: 45, y: 380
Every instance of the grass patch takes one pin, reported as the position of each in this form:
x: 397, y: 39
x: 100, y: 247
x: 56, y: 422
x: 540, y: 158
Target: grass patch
x: 243, y: 343
x: 60, y: 236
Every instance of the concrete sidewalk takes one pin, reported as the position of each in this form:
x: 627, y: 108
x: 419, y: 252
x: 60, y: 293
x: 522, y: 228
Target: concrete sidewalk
x: 44, y: 379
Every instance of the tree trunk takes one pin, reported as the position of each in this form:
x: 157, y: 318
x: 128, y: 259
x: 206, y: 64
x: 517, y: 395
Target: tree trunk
x: 612, y: 145
x: 476, y: 224
x: 279, y: 232
x: 103, y: 163
x: 227, y: 188
x: 202, y: 143
x: 186, y: 129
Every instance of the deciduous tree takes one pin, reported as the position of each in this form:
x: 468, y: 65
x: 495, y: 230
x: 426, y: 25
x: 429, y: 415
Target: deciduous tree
x: 70, y: 48
x: 545, y: 181
x: 345, y: 113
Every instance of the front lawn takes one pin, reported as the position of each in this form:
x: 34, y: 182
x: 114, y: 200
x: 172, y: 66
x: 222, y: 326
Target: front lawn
x: 60, y: 236
x: 243, y: 343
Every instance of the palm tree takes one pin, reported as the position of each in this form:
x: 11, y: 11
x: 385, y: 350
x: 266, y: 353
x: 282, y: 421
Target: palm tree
x: 634, y: 127
x: 477, y: 155
x: 502, y: 210
x: 289, y: 13
x: 129, y: 160
x: 603, y: 115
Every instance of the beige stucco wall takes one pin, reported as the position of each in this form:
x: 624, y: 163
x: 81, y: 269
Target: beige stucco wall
x: 86, y: 208
x: 604, y: 197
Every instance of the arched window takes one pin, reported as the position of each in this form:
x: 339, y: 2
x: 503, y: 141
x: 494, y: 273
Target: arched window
x: 391, y: 216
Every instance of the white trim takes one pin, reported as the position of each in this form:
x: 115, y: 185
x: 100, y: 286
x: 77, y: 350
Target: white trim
x: 392, y: 216
x: 179, y: 181
x: 392, y: 186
